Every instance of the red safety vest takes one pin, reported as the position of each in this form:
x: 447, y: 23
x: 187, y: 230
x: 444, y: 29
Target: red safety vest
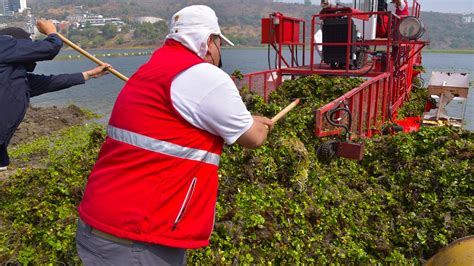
x: 156, y: 176
x: 404, y: 12
x: 382, y: 26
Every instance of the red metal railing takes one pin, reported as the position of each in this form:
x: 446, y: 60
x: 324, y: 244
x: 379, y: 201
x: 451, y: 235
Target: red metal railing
x: 372, y: 103
x: 416, y: 9
x: 279, y: 30
x: 365, y: 102
x: 378, y: 99
x: 261, y: 83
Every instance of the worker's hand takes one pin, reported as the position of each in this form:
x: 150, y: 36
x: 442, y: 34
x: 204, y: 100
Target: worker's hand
x: 267, y: 122
x: 96, y: 72
x: 46, y: 27
x: 256, y: 135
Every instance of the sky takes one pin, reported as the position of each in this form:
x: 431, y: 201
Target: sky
x: 447, y: 6
x: 444, y: 6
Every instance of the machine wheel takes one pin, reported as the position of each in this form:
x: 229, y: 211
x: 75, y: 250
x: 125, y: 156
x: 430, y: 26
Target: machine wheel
x: 327, y: 151
x: 458, y: 252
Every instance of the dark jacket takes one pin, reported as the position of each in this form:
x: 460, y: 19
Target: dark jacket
x: 17, y: 85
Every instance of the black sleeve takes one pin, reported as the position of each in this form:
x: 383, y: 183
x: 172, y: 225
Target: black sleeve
x: 26, y: 51
x: 40, y: 84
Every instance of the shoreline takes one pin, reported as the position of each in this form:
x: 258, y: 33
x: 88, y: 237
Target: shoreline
x: 445, y: 51
x: 145, y: 50
x: 435, y: 51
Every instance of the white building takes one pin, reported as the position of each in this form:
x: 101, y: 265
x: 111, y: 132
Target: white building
x: 148, y: 19
x: 23, y: 6
x: 467, y: 19
x: 100, y: 21
x: 82, y: 18
x: 10, y: 7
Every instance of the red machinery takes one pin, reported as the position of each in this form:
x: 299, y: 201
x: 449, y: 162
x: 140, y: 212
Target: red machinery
x: 364, y: 40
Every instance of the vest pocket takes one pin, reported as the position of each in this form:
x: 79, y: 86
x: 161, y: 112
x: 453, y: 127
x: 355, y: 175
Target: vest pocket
x: 185, y: 204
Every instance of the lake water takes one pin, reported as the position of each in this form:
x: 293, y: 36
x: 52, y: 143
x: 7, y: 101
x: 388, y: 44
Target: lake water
x: 99, y: 95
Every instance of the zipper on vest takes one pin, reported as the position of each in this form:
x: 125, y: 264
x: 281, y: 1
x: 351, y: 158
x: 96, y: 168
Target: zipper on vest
x: 186, y: 201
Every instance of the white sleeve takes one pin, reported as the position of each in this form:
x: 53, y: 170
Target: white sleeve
x: 206, y: 97
x: 402, y: 5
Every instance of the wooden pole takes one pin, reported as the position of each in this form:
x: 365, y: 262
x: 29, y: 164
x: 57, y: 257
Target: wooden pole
x: 91, y: 57
x: 285, y: 110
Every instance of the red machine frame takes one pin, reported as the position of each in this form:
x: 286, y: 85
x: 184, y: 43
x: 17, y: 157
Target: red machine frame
x: 372, y: 103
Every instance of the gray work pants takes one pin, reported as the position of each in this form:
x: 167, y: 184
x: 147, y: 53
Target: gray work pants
x: 96, y: 250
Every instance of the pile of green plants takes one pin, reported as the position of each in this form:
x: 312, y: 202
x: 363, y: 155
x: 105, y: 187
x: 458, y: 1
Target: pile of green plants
x: 411, y: 195
x: 38, y: 205
x: 418, y: 98
x: 408, y: 197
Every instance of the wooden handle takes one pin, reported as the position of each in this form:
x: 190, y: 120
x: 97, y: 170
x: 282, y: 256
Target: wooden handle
x: 285, y: 110
x: 91, y: 57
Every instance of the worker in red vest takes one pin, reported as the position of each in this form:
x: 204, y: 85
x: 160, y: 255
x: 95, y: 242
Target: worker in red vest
x: 401, y: 8
x: 152, y: 192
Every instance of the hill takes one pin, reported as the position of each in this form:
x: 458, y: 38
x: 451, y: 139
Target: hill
x: 241, y: 19
x: 446, y: 31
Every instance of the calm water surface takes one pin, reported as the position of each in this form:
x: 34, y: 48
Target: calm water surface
x: 99, y: 95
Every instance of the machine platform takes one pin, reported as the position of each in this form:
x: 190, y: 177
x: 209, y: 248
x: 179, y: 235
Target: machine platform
x: 449, y: 93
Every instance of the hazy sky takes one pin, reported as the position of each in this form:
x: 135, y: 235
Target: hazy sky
x: 446, y: 6
x: 451, y: 6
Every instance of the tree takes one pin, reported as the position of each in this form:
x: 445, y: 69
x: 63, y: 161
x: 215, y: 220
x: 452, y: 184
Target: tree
x: 98, y: 41
x: 151, y: 31
x: 109, y: 31
x: 119, y: 41
x: 90, y: 32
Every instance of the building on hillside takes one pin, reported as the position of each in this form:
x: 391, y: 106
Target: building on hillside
x: 99, y: 20
x: 4, y: 8
x: 83, y: 18
x: 19, y: 6
x: 468, y: 19
x: 79, y: 14
x: 10, y: 7
x: 147, y: 19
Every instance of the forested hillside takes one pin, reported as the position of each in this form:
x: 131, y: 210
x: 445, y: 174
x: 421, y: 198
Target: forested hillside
x: 240, y: 19
x: 446, y: 31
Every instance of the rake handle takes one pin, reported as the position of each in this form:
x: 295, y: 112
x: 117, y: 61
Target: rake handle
x: 285, y: 110
x: 91, y: 57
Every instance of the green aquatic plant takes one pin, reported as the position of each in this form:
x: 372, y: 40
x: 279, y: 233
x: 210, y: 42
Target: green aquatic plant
x: 408, y: 197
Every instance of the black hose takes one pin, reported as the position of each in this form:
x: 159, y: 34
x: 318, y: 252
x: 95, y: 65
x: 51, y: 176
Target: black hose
x: 332, y: 120
x: 293, y: 56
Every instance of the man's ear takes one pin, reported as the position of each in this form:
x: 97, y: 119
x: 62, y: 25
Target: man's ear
x: 209, y: 40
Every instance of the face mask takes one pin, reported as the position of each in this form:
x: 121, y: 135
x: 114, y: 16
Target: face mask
x: 219, y: 65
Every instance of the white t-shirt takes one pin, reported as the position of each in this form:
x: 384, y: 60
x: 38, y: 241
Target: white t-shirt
x: 393, y: 6
x: 206, y: 97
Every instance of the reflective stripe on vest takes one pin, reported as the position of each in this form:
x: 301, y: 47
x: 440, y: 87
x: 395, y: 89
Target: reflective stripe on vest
x: 161, y: 146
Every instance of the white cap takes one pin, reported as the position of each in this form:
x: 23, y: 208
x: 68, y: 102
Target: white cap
x: 192, y: 26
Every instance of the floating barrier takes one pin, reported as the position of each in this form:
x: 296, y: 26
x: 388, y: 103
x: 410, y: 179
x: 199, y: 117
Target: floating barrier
x: 124, y: 54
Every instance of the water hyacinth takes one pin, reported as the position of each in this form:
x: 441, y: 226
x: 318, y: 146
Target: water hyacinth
x: 408, y: 197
